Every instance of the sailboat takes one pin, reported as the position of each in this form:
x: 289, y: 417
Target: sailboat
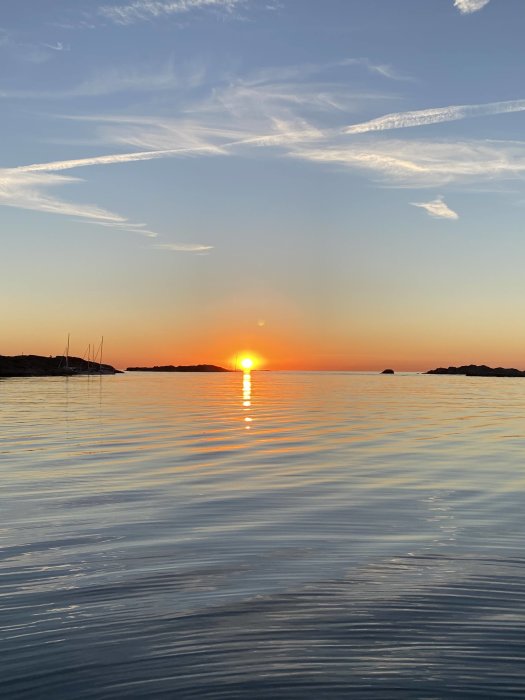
x: 66, y: 369
x: 83, y: 366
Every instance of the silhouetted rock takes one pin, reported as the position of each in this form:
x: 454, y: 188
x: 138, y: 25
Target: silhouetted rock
x: 179, y: 368
x: 39, y: 366
x: 479, y: 371
x: 387, y: 371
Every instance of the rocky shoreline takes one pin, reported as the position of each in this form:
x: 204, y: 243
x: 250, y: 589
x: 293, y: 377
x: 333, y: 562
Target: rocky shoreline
x: 179, y: 368
x: 59, y: 366
x: 479, y: 371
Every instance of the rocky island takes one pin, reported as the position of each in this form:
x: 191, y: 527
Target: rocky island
x: 178, y: 368
x: 59, y: 366
x: 479, y: 371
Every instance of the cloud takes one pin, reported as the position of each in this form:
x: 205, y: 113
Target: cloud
x: 184, y: 247
x: 383, y: 69
x: 303, y: 71
x: 107, y: 160
x: 298, y: 118
x: 437, y: 208
x: 468, y: 6
x: 283, y: 112
x: 164, y: 135
x: 272, y: 109
x: 420, y: 163
x: 59, y: 46
x: 114, y: 80
x: 140, y: 229
x: 22, y: 50
x: 142, y: 10
x: 292, y: 84
x: 414, y: 163
x: 424, y: 117
x: 24, y: 188
x: 157, y: 78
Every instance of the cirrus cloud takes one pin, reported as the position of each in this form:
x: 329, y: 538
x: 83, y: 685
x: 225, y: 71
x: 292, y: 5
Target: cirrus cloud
x: 25, y: 187
x: 141, y: 10
x: 437, y: 115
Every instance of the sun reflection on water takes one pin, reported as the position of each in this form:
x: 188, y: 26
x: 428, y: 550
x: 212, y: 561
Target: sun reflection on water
x: 247, y: 395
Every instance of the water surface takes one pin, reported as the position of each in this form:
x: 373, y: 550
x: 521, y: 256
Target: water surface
x: 279, y: 535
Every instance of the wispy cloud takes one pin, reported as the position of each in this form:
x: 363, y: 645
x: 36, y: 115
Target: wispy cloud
x: 419, y: 163
x: 412, y: 163
x: 142, y: 10
x: 26, y: 190
x: 269, y: 108
x: 298, y: 84
x: 25, y: 187
x: 155, y: 78
x: 168, y: 136
x: 423, y: 117
x: 468, y: 6
x: 184, y: 137
x: 385, y: 70
x: 287, y: 115
x: 184, y: 247
x: 140, y: 229
x: 23, y: 51
x: 298, y: 117
x: 305, y: 71
x: 437, y: 209
x: 59, y: 46
x: 106, y: 160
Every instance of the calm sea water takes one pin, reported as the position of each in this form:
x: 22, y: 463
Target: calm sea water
x: 284, y: 535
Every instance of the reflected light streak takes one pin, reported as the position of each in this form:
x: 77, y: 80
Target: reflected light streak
x: 247, y: 395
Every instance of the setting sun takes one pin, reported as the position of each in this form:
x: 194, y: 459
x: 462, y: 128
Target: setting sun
x: 247, y: 363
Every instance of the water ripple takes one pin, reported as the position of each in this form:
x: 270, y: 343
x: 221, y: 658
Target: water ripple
x: 356, y: 538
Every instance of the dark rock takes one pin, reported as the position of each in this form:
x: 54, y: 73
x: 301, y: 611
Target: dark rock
x: 479, y: 371
x: 387, y: 371
x: 39, y: 366
x: 178, y: 368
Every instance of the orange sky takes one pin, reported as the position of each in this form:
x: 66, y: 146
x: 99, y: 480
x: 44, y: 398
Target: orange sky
x: 286, y: 343
x: 328, y: 204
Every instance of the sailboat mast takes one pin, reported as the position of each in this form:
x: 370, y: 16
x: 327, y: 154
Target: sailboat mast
x: 100, y: 359
x: 67, y: 352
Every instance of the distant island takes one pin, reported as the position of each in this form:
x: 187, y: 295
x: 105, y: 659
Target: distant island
x: 479, y: 371
x: 178, y: 368
x: 59, y: 366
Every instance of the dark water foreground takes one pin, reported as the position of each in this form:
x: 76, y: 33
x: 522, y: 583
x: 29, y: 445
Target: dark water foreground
x: 279, y: 536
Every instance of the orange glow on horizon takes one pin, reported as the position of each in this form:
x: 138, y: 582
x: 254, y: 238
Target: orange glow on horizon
x: 246, y: 361
x: 371, y: 346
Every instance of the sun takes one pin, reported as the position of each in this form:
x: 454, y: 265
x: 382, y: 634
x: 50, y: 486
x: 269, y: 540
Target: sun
x: 246, y: 360
x: 247, y: 363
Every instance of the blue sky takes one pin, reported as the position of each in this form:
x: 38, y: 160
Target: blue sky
x: 340, y: 178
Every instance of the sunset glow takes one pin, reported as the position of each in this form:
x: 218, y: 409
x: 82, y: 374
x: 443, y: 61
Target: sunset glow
x: 303, y: 275
x: 262, y: 351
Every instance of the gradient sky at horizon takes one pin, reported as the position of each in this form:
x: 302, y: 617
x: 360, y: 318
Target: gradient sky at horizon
x: 333, y: 185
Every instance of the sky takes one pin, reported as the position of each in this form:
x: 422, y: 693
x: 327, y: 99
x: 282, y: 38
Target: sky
x: 322, y: 185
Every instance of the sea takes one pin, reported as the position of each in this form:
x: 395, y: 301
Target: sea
x: 266, y: 535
